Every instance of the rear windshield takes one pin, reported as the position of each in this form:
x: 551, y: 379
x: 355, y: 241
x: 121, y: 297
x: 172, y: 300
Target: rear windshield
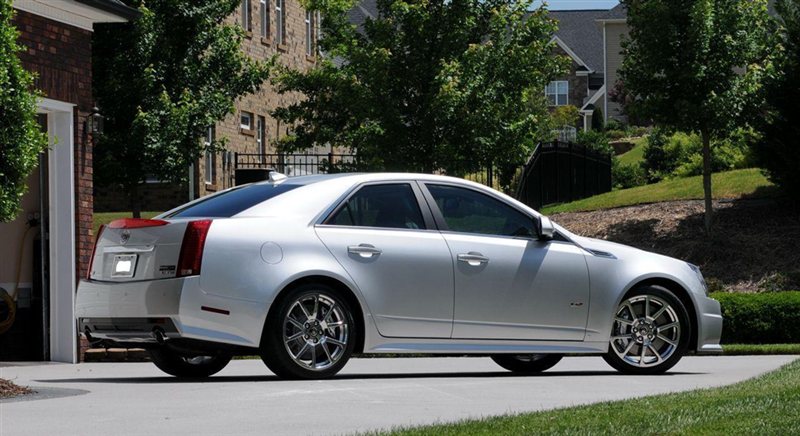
x: 230, y: 203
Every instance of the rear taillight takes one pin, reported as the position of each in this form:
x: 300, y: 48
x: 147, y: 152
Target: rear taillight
x: 194, y: 240
x: 94, y: 250
x: 135, y: 223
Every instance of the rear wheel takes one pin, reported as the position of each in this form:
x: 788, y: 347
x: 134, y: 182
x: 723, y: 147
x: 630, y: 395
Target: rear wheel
x: 650, y: 334
x: 527, y: 363
x: 310, y: 335
x: 188, y: 365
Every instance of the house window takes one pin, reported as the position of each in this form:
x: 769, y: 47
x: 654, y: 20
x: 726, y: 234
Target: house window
x: 265, y: 18
x: 280, y: 21
x: 246, y: 121
x: 246, y: 20
x: 557, y: 93
x: 210, y: 158
x: 310, y: 33
x: 261, y: 135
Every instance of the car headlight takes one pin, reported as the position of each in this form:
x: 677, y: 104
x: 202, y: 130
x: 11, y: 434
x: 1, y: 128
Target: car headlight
x: 700, y: 277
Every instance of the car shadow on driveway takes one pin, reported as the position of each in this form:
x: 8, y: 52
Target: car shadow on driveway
x: 396, y: 376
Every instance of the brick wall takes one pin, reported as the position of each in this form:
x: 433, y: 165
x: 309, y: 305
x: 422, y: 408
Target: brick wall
x: 61, y: 56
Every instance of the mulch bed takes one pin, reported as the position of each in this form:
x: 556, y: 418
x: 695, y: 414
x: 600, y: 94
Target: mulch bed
x: 8, y: 389
x: 754, y: 245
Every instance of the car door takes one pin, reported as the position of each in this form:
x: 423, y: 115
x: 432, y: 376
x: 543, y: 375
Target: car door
x: 398, y: 259
x: 508, y: 284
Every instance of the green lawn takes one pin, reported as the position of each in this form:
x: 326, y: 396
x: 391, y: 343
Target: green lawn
x: 765, y: 405
x: 755, y: 349
x: 635, y: 155
x: 730, y: 184
x: 106, y: 217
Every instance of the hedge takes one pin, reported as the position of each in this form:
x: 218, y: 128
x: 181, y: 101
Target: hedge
x: 765, y: 318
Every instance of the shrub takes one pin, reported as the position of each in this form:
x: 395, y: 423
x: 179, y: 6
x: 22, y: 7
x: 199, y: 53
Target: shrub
x: 613, y: 124
x: 766, y: 318
x: 616, y: 134
x: 595, y: 141
x: 598, y: 122
x: 680, y: 154
x: 624, y: 176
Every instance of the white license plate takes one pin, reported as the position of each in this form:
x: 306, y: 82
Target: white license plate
x: 124, y: 265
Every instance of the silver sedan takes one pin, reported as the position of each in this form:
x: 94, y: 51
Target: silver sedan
x: 307, y: 271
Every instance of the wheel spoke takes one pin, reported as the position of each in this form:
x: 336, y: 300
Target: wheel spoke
x: 327, y: 352
x: 667, y: 327
x: 305, y: 311
x: 623, y: 321
x: 313, y: 355
x: 628, y: 348
x: 646, y: 306
x: 659, y: 359
x: 641, y: 358
x: 328, y: 314
x: 316, y: 307
x: 630, y: 309
x: 660, y: 311
x: 619, y: 337
x: 295, y: 336
x: 667, y: 340
x: 336, y: 342
x: 302, y: 351
x: 295, y: 322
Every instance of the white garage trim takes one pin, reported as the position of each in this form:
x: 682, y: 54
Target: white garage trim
x: 61, y: 197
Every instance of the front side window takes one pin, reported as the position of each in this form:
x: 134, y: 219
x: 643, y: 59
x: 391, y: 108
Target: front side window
x: 468, y: 211
x: 280, y: 21
x: 264, y: 18
x: 391, y: 206
x: 246, y: 121
x: 210, y: 158
x: 557, y: 93
x: 246, y: 19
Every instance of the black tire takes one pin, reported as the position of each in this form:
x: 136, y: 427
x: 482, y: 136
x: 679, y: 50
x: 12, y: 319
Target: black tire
x: 679, y: 338
x: 188, y: 365
x: 277, y: 347
x: 527, y: 363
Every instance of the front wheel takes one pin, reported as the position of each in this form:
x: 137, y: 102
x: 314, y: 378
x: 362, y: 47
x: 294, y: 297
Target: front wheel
x: 650, y: 333
x: 527, y: 363
x: 310, y: 335
x: 188, y: 365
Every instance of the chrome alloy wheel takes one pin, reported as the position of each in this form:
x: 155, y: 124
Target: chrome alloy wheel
x: 646, y: 331
x: 315, y: 331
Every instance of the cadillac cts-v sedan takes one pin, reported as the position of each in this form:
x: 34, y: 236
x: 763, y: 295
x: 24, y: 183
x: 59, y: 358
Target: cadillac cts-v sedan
x: 307, y: 271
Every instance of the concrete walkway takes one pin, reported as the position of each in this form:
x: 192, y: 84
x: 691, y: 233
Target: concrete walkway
x: 370, y: 394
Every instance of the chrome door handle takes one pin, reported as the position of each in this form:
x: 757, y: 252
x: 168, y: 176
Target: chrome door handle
x: 473, y: 258
x: 364, y: 250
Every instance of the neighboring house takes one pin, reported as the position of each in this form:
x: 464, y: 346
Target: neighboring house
x: 57, y: 37
x: 614, y: 28
x: 581, y: 39
x: 273, y: 27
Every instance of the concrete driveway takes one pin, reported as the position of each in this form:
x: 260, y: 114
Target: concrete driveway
x: 370, y: 394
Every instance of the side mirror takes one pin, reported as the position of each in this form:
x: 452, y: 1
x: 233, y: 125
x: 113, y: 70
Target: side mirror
x: 546, y: 229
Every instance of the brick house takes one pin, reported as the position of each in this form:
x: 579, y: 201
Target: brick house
x: 57, y: 40
x: 581, y: 39
x: 273, y: 27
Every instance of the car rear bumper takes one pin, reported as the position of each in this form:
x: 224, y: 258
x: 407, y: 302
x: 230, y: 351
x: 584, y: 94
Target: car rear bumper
x: 709, y: 332
x: 130, y: 312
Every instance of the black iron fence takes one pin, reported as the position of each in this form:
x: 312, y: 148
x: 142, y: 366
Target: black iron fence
x: 559, y: 172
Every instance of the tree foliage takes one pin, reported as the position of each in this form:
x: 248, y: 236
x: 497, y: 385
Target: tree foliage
x: 161, y: 81
x: 21, y: 137
x: 779, y: 151
x: 696, y: 66
x: 427, y: 85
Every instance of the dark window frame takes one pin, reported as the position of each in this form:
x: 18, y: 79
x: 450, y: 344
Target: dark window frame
x: 422, y: 204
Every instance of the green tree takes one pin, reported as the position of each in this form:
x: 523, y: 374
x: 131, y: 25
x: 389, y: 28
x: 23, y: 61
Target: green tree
x: 427, y: 85
x: 779, y: 151
x: 160, y: 82
x: 21, y: 138
x: 567, y: 115
x: 598, y: 121
x: 696, y: 66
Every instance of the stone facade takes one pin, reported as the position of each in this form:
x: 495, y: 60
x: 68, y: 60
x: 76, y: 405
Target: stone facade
x: 578, y: 84
x: 61, y: 57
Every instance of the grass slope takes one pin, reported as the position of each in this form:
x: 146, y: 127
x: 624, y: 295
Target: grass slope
x: 635, y: 155
x: 764, y: 405
x: 106, y: 217
x: 729, y: 184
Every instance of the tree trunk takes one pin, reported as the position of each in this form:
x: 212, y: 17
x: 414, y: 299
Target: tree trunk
x: 707, y: 181
x: 136, y: 205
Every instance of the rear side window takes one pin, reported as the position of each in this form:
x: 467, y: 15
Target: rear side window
x: 390, y: 206
x: 230, y: 203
